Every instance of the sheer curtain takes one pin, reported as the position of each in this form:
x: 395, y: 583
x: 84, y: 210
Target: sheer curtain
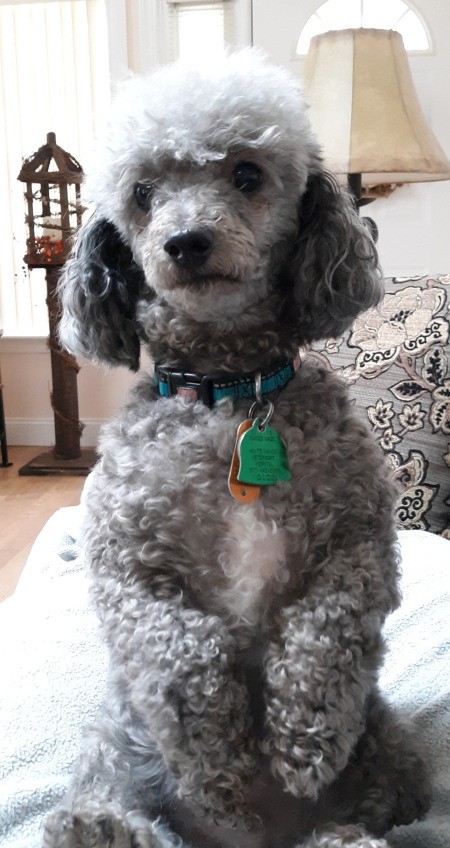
x: 148, y: 37
x: 54, y: 77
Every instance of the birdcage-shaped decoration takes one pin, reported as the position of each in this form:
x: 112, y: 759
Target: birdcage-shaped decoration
x: 53, y: 206
x: 54, y: 212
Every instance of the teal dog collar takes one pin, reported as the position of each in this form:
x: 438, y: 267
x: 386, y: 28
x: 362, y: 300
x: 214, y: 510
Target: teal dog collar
x: 211, y: 388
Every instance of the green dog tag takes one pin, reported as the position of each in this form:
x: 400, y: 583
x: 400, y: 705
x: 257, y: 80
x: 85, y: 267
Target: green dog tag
x: 262, y: 457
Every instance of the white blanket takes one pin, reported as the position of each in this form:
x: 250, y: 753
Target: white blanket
x: 53, y: 669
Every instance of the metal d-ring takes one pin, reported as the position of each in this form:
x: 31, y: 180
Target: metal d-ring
x: 263, y: 422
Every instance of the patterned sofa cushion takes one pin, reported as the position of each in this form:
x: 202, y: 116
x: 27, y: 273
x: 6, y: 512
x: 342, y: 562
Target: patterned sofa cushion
x: 395, y: 359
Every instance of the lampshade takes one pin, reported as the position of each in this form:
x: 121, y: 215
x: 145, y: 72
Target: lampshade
x: 365, y: 110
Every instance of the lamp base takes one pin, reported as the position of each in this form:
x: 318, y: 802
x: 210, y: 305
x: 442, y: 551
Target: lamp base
x: 46, y: 464
x: 355, y: 189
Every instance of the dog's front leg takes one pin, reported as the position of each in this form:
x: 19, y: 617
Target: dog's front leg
x: 179, y: 669
x: 319, y: 671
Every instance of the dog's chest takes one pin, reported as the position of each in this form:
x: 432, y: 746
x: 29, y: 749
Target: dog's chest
x: 253, y: 555
x: 228, y: 555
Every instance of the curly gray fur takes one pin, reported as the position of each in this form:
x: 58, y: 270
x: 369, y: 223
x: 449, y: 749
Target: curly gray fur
x: 245, y: 639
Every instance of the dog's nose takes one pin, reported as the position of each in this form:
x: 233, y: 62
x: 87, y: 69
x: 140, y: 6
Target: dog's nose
x: 189, y: 248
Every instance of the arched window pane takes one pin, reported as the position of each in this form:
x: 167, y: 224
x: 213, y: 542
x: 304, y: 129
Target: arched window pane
x: 340, y: 15
x: 413, y: 33
x: 312, y: 27
x: 384, y: 14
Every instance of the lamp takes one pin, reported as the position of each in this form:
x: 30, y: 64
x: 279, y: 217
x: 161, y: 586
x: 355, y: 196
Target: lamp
x: 366, y: 113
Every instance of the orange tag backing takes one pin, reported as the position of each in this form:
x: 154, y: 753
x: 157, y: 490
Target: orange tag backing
x: 242, y: 492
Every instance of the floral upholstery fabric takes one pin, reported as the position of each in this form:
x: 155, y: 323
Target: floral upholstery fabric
x: 395, y: 359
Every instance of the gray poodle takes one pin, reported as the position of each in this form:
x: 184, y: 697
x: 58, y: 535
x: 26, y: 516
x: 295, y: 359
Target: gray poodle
x: 242, y: 608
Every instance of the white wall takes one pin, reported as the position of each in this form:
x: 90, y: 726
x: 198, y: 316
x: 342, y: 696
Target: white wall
x: 26, y: 378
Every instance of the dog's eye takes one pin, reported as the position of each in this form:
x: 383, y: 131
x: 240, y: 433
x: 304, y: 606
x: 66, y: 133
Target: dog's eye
x: 143, y: 194
x: 247, y: 177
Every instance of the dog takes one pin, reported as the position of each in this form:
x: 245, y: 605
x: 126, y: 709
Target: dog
x: 239, y: 523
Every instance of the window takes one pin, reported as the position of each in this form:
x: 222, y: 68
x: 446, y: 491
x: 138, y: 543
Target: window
x: 55, y: 78
x: 200, y: 30
x: 379, y: 14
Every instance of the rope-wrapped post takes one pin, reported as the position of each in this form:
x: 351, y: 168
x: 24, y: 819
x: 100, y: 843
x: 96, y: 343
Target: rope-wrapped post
x: 64, y: 397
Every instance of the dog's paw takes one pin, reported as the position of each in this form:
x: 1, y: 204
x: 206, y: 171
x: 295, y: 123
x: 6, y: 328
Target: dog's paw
x: 308, y: 760
x: 84, y: 830
x: 304, y: 773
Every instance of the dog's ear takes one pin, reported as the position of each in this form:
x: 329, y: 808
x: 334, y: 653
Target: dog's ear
x: 334, y: 272
x: 98, y: 291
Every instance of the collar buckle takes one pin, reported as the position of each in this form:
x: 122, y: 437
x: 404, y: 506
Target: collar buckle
x: 185, y: 384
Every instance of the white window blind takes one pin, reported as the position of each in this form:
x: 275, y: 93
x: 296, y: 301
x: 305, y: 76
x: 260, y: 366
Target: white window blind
x: 200, y: 30
x: 54, y: 78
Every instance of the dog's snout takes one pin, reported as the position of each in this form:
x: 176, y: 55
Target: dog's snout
x: 190, y: 247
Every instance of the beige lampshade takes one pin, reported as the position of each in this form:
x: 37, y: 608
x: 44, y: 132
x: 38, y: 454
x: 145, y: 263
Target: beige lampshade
x: 365, y: 110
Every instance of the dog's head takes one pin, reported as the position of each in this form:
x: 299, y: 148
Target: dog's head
x: 211, y: 198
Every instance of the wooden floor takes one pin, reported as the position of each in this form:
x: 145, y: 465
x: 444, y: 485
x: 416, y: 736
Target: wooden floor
x: 25, y: 505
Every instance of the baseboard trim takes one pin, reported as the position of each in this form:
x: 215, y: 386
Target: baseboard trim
x: 41, y: 431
